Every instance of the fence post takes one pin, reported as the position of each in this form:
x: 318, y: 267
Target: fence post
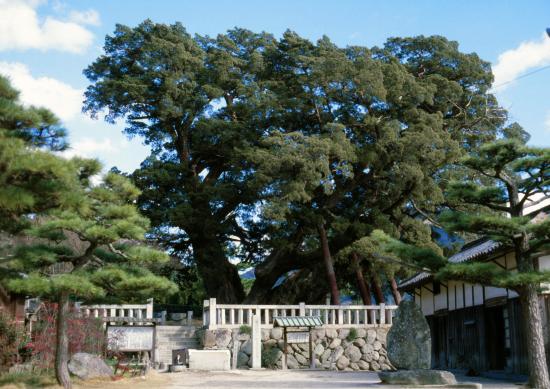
x: 382, y: 313
x: 205, y: 313
x: 189, y: 318
x: 256, y: 342
x: 212, y: 315
x: 302, y: 309
x: 149, y: 312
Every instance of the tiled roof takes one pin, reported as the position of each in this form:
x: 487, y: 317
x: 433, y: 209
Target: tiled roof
x: 469, y: 252
x: 297, y: 321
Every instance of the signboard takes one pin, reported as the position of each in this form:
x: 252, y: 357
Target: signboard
x: 297, y: 337
x: 128, y: 338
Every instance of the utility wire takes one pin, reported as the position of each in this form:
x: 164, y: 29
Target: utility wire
x: 520, y: 77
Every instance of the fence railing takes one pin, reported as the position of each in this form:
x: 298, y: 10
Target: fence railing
x: 131, y: 313
x: 235, y: 315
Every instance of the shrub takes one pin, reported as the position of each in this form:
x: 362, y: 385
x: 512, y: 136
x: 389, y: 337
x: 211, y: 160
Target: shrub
x: 352, y: 335
x: 12, y: 339
x: 270, y: 357
x: 244, y: 329
x: 86, y: 334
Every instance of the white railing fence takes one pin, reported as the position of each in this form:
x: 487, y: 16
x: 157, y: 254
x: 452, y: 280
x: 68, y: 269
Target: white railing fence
x: 235, y: 315
x: 131, y: 313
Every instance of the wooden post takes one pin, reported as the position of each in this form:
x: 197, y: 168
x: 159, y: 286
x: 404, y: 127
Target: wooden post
x: 212, y: 314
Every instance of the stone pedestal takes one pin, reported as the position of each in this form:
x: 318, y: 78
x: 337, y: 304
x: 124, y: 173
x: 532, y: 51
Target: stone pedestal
x: 256, y: 343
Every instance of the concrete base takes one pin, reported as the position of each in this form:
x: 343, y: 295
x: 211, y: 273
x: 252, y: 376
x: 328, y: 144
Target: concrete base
x: 418, y: 377
x: 209, y: 359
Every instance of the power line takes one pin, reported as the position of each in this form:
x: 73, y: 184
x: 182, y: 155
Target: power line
x: 520, y: 77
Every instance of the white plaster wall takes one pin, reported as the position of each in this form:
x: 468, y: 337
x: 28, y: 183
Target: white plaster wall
x: 492, y: 292
x: 427, y: 302
x: 441, y: 299
x: 451, y: 285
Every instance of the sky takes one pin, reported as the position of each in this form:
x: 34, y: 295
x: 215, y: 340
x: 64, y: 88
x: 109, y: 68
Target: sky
x: 45, y: 45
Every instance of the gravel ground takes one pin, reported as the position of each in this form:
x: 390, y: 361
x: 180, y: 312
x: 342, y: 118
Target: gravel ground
x: 268, y: 379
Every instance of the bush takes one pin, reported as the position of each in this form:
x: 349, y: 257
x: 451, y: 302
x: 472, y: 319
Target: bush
x: 244, y: 329
x: 86, y: 334
x: 352, y: 335
x: 12, y: 340
x: 270, y: 357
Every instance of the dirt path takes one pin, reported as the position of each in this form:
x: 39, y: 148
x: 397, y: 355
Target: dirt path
x: 266, y: 379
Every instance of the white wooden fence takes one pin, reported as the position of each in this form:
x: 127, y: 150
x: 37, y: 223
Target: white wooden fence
x: 131, y: 313
x: 235, y: 315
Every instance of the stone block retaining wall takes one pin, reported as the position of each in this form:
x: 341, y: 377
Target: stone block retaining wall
x: 337, y: 349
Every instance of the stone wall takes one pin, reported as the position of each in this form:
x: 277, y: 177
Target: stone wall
x: 337, y: 349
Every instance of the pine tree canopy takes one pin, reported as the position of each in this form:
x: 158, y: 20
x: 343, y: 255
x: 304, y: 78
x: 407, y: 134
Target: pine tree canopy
x: 258, y: 141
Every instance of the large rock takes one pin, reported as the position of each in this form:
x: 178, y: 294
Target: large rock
x: 318, y: 350
x: 208, y: 339
x: 86, y: 366
x: 277, y: 333
x: 291, y: 362
x: 409, y: 342
x: 242, y: 359
x: 418, y: 377
x: 342, y: 362
x: 247, y: 347
x: 223, y: 337
x: 335, y: 343
x: 353, y: 353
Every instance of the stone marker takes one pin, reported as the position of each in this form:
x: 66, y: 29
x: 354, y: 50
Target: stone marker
x: 409, y: 340
x: 256, y: 342
x: 209, y: 359
x: 86, y: 366
x: 418, y: 377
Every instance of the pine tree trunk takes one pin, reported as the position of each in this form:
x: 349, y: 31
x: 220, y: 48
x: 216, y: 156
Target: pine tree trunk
x: 363, y: 287
x: 62, y: 347
x: 395, y: 292
x: 378, y: 294
x: 538, y: 370
x: 329, y: 267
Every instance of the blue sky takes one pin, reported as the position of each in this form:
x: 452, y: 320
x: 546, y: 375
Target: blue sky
x: 45, y: 45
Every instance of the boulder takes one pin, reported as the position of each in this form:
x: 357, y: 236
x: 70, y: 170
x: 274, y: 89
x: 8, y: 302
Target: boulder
x: 277, y: 333
x: 335, y: 343
x: 377, y: 345
x: 86, y: 366
x: 361, y: 332
x: 381, y: 334
x: 208, y: 339
x: 371, y: 336
x: 325, y: 356
x: 354, y: 366
x: 223, y: 337
x: 353, y: 353
x: 301, y: 359
x: 318, y: 350
x: 270, y: 343
x: 320, y: 333
x: 363, y: 365
x: 409, y: 342
x: 359, y: 342
x: 375, y: 366
x: 247, y: 347
x: 266, y: 334
x: 418, y: 377
x: 344, y: 332
x: 242, y: 359
x: 337, y: 353
x: 331, y: 333
x: 291, y: 362
x: 342, y: 362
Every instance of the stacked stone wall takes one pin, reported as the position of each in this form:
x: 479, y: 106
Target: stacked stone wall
x: 335, y: 349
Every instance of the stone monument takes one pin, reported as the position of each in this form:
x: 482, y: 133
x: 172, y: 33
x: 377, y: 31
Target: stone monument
x: 410, y: 350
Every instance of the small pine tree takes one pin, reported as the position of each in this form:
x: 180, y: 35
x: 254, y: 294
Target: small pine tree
x: 89, y: 252
x: 512, y: 176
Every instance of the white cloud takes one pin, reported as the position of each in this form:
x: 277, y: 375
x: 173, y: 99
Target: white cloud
x: 512, y: 63
x: 61, y: 98
x: 21, y: 29
x: 90, y: 148
x: 90, y: 17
